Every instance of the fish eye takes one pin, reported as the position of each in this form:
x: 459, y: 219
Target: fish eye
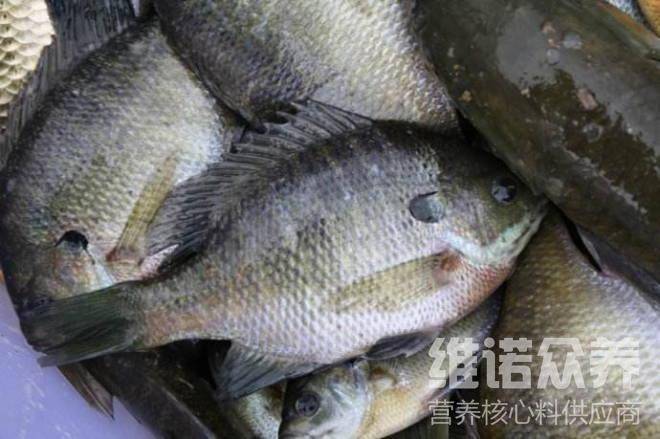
x: 425, y: 208
x: 307, y: 404
x: 74, y: 239
x: 504, y: 190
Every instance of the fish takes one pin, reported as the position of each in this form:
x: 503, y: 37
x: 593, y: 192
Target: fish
x: 82, y: 186
x: 92, y: 167
x: 557, y: 292
x: 538, y: 81
x: 269, y: 237
x: 378, y: 398
x: 651, y: 9
x: 42, y: 42
x: 259, y: 55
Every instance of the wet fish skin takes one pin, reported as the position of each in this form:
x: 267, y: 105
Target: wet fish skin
x: 260, y: 413
x: 92, y: 167
x: 378, y: 398
x: 259, y: 55
x: 26, y: 31
x: 556, y: 292
x: 590, y: 142
x: 51, y: 38
x: 283, y: 259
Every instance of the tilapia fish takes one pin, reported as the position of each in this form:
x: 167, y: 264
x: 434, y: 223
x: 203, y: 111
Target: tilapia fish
x: 319, y: 250
x: 377, y: 398
x: 92, y: 168
x: 538, y: 80
x: 361, y: 56
x: 557, y: 293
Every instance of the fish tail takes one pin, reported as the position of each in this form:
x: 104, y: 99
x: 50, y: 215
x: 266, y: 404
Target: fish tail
x: 82, y: 327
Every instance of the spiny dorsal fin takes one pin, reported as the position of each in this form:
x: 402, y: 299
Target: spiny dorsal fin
x: 81, y: 26
x: 194, y: 207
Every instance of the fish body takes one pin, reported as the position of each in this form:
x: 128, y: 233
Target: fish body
x: 557, y: 293
x: 42, y: 41
x: 537, y: 79
x: 282, y: 258
x: 258, y: 56
x: 391, y: 394
x: 92, y: 167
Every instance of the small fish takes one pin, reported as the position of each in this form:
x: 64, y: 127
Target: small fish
x: 587, y: 137
x: 377, y: 398
x: 556, y: 292
x: 259, y: 55
x: 326, y: 238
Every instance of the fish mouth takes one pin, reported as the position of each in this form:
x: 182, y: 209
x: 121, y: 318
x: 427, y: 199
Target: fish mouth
x: 519, y: 244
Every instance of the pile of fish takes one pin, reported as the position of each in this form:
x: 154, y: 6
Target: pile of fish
x: 257, y: 218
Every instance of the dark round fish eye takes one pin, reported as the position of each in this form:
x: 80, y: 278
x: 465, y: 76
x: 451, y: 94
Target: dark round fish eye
x: 426, y: 208
x: 307, y: 404
x: 74, y: 239
x: 504, y: 190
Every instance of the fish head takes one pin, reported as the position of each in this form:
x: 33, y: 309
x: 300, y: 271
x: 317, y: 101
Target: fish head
x: 330, y: 404
x: 481, y: 210
x: 37, y: 272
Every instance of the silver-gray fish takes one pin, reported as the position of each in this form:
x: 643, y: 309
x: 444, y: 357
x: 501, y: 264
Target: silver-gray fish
x: 333, y: 237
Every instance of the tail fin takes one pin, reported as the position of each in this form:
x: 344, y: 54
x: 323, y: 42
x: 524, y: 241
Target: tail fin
x: 82, y: 327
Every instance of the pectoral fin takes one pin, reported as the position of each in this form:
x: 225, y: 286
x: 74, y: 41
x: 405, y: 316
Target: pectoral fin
x: 243, y: 371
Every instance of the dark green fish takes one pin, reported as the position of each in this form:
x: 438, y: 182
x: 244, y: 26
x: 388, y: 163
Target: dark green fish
x: 259, y: 55
x: 539, y: 80
x: 280, y: 274
x: 164, y: 390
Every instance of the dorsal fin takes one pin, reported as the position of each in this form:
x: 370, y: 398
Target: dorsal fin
x: 80, y: 26
x: 191, y: 210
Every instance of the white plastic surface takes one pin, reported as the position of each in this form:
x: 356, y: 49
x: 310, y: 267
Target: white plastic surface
x: 38, y: 403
